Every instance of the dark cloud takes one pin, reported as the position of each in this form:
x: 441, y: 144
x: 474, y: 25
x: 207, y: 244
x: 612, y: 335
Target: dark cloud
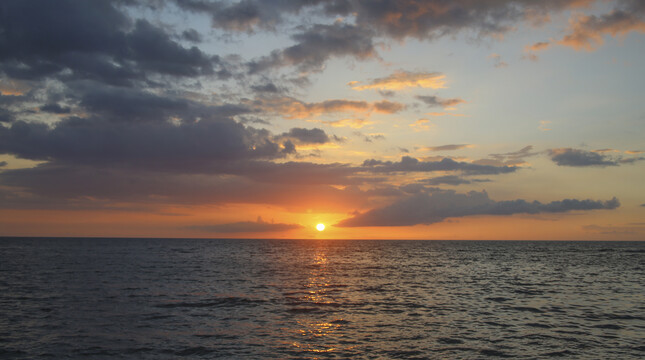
x: 307, y: 136
x: 3, y: 163
x: 90, y: 40
x: 266, y: 88
x: 396, y: 19
x: 129, y: 105
x: 434, y: 101
x: 316, y: 45
x: 410, y: 164
x: 191, y: 35
x: 388, y: 107
x: 149, y: 145
x: 295, y: 186
x: 580, y: 158
x: 55, y: 109
x: 6, y: 116
x: 246, y: 226
x: 429, y: 208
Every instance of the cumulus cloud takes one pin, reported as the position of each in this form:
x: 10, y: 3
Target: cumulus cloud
x: 246, y: 226
x: 42, y: 38
x: 139, y: 144
x: 434, y: 207
x: 402, y: 80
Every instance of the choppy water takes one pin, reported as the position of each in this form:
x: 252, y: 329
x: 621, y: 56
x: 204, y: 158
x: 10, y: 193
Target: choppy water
x: 135, y: 298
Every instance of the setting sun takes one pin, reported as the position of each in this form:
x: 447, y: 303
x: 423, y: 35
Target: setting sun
x: 320, y: 227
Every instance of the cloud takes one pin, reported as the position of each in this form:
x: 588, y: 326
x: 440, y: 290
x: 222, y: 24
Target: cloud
x: 3, y: 163
x: 586, y: 31
x: 369, y: 138
x: 41, y: 39
x: 450, y: 180
x: 396, y: 19
x: 433, y: 101
x: 318, y: 44
x: 351, y: 123
x: 429, y: 208
x: 514, y: 158
x: 296, y: 109
x: 55, y: 109
x: 75, y: 140
x: 497, y: 58
x: 580, y: 158
x: 421, y: 125
x: 402, y: 80
x: 246, y: 226
x: 544, y: 125
x: 410, y: 164
x: 633, y: 228
x: 445, y: 147
x: 531, y: 50
x: 308, y: 136
x: 294, y: 186
x: 538, y: 46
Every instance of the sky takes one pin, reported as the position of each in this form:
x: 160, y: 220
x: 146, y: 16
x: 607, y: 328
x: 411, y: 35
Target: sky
x: 382, y: 119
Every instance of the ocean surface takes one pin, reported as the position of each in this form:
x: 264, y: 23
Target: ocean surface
x: 314, y: 299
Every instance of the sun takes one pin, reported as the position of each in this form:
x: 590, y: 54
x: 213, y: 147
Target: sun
x: 320, y: 227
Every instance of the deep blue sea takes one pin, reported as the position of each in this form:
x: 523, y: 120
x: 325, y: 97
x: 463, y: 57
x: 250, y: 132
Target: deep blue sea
x: 315, y: 299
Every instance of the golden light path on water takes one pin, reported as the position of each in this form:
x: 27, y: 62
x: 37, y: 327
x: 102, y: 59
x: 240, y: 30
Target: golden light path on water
x: 317, y: 294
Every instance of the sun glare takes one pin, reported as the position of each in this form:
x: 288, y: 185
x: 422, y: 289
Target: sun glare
x: 320, y: 227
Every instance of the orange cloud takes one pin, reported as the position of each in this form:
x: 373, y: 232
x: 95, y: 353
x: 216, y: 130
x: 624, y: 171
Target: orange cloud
x: 13, y: 88
x: 296, y: 109
x: 586, y: 32
x: 421, y: 125
x: 538, y: 46
x: 544, y: 125
x: 402, y: 80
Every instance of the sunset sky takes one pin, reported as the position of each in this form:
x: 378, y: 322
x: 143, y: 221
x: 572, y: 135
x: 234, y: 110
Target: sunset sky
x: 382, y: 119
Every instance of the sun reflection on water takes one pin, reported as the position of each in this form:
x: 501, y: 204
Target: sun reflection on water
x: 315, y: 330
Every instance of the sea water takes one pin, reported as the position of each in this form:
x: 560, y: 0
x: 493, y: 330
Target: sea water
x: 312, y: 299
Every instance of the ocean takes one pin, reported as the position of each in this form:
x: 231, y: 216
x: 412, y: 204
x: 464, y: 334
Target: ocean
x: 318, y: 299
